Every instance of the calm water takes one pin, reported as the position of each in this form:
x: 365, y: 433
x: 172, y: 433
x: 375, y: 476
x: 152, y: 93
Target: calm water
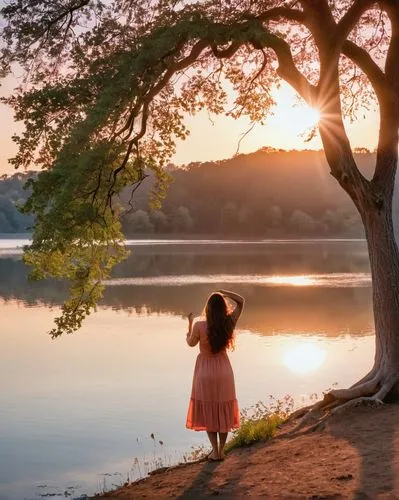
x: 78, y: 411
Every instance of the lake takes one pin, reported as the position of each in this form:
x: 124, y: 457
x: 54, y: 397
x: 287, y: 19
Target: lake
x: 77, y: 413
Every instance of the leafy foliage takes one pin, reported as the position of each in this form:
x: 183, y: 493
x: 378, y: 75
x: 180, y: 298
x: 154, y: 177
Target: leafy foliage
x: 108, y: 83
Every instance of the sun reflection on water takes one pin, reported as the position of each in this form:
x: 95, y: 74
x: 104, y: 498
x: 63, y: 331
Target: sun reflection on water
x: 304, y: 358
x: 342, y: 280
x: 294, y: 280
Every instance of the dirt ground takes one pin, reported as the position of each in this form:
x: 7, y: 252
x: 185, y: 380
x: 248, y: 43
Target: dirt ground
x: 355, y: 456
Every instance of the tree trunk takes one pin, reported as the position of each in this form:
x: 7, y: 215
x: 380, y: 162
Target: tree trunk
x: 380, y: 215
x: 382, y: 229
x: 384, y: 263
x: 375, y: 201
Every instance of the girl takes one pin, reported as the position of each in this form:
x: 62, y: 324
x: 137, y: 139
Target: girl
x: 213, y: 405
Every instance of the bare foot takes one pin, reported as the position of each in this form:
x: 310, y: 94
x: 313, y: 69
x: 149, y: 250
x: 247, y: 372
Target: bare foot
x: 213, y: 456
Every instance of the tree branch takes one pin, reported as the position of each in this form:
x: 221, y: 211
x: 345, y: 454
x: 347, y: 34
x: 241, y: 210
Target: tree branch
x: 366, y: 63
x: 287, y: 69
x: 327, y: 98
x: 195, y: 52
x: 225, y: 53
x: 351, y: 18
x: 286, y: 12
x: 318, y: 9
x: 391, y: 63
x: 68, y: 12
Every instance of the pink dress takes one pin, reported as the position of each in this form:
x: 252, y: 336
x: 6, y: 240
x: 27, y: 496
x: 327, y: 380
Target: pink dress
x: 213, y: 405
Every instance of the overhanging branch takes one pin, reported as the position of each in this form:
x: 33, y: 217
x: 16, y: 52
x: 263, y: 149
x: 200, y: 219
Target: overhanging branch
x: 174, y: 68
x: 287, y: 69
x: 366, y: 63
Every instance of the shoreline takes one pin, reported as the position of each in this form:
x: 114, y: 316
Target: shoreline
x: 356, y: 455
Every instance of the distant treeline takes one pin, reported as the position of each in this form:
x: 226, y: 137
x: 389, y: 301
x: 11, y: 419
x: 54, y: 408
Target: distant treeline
x: 270, y: 193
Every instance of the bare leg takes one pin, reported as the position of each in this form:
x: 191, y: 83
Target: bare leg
x: 222, y: 442
x: 213, y: 438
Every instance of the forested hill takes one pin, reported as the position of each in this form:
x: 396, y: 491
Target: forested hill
x: 264, y: 194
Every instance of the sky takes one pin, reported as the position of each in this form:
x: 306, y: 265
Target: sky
x: 219, y: 137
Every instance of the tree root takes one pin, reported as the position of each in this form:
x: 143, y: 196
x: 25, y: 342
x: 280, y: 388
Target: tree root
x: 370, y: 391
x: 371, y: 374
x: 357, y: 391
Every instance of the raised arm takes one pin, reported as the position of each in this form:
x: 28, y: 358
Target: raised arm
x: 192, y: 336
x: 238, y: 299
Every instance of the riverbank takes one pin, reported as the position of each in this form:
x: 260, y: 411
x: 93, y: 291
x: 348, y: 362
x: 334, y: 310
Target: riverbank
x: 355, y: 456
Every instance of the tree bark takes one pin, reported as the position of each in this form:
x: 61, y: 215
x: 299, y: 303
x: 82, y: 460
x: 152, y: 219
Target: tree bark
x: 384, y: 264
x: 378, y: 203
x: 379, y: 215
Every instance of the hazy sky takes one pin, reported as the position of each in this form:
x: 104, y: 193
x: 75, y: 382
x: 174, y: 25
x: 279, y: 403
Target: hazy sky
x: 218, y: 138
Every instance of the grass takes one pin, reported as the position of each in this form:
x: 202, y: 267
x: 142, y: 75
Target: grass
x: 260, y: 422
x: 254, y: 430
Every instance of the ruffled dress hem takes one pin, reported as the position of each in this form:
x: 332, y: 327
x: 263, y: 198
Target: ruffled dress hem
x: 213, y: 416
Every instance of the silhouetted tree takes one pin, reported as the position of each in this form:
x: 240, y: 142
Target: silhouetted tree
x: 229, y: 218
x: 301, y: 222
x: 159, y: 220
x: 182, y: 221
x: 139, y: 222
x: 274, y: 216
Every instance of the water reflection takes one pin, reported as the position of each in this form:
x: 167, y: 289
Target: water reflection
x: 324, y: 280
x: 78, y: 406
x: 293, y: 287
x: 304, y: 357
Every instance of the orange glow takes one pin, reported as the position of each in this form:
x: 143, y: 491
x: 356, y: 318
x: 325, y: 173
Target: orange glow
x: 304, y: 358
x: 218, y: 138
x: 286, y: 128
x: 292, y: 116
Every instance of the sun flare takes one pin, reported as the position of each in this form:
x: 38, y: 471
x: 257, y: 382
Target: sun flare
x: 291, y: 115
x: 311, y: 116
x: 304, y: 358
x: 297, y: 119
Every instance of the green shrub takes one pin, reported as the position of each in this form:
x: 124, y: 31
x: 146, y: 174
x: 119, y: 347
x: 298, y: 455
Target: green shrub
x: 254, y: 430
x: 260, y: 422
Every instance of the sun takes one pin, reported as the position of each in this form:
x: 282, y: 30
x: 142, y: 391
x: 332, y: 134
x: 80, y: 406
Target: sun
x: 296, y: 120
x: 292, y: 117
x: 310, y: 116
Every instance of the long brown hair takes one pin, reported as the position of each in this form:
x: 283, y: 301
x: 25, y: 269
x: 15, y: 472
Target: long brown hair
x: 220, y: 324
